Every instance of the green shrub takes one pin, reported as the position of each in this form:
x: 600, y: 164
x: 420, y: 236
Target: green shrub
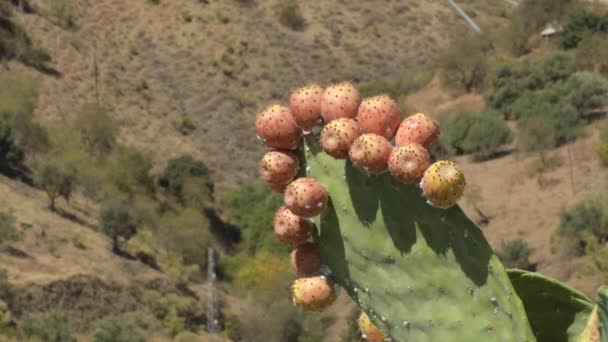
x: 251, y: 207
x: 118, y: 329
x: 11, y: 155
x: 5, y: 287
x: 592, y: 51
x: 177, y: 313
x: 604, y: 133
x: 96, y: 129
x: 57, y: 177
x: 187, y: 336
x: 62, y: 11
x: 179, y: 169
x: 464, y: 62
x: 290, y: 15
x: 52, y: 326
x: 512, y: 81
x: 590, y: 215
x: 187, y: 234
x: 602, y: 152
x: 586, y: 91
x: 18, y: 98
x: 118, y: 219
x: 478, y: 133
x: 515, y: 254
x: 581, y: 24
x: 129, y: 171
x: 8, y: 232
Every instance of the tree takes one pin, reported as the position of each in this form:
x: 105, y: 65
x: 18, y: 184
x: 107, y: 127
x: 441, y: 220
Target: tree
x: 97, y: 129
x: 181, y: 168
x: 57, y: 178
x: 581, y: 24
x: 464, y: 62
x: 592, y: 52
x: 117, y: 219
x: 586, y: 91
x: 116, y: 329
x: 187, y: 233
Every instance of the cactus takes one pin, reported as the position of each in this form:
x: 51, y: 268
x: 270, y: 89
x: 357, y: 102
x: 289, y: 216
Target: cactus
x: 410, y: 258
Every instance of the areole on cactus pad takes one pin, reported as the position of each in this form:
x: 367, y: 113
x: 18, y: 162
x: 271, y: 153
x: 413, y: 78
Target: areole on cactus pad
x: 413, y: 262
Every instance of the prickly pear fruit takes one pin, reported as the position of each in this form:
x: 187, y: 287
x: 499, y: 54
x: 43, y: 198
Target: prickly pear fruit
x: 338, y: 136
x: 305, y: 105
x: 291, y: 229
x: 277, y: 128
x: 278, y: 167
x: 340, y: 101
x: 408, y: 162
x: 370, y: 153
x: 306, y: 197
x: 305, y: 259
x: 380, y: 115
x: 313, y: 293
x: 420, y: 129
x: 443, y: 184
x: 370, y: 331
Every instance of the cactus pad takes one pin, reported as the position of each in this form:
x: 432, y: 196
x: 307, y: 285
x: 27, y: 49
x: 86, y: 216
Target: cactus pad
x: 419, y: 272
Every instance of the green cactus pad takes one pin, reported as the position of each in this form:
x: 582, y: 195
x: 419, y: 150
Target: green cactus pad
x: 421, y: 273
x: 557, y: 313
x: 602, y: 305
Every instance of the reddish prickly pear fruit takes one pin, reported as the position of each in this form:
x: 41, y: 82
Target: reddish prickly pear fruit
x: 370, y: 153
x: 314, y: 293
x: 340, y: 101
x: 306, y: 197
x: 291, y: 229
x: 278, y: 167
x: 419, y: 129
x: 305, y: 105
x: 408, y: 162
x: 338, y: 136
x: 305, y: 259
x: 443, y: 184
x: 380, y: 115
x: 369, y: 330
x: 277, y: 128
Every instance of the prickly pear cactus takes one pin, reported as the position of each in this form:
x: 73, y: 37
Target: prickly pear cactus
x: 421, y: 273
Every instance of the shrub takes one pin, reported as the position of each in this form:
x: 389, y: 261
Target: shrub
x: 515, y: 254
x: 581, y: 24
x: 118, y: 219
x: 592, y: 52
x: 8, y: 232
x: 604, y: 133
x: 602, y: 152
x: 187, y: 234
x: 56, y: 177
x: 261, y: 271
x: 129, y: 171
x: 176, y: 312
x: 62, y: 12
x: 49, y: 327
x: 290, y: 15
x: 513, y: 81
x: 18, y: 97
x: 251, y: 207
x: 5, y: 287
x: 464, y: 62
x: 11, y: 155
x: 97, y: 129
x: 586, y: 91
x: 187, y: 336
x: 590, y: 215
x: 478, y: 133
x: 116, y: 329
x: 179, y: 169
x: 411, y: 80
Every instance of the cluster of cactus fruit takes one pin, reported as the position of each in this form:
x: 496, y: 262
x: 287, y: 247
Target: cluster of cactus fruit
x: 367, y: 210
x: 355, y: 129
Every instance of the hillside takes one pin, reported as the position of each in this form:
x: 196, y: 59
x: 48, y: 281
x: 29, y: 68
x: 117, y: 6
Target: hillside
x: 189, y: 76
x: 159, y: 65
